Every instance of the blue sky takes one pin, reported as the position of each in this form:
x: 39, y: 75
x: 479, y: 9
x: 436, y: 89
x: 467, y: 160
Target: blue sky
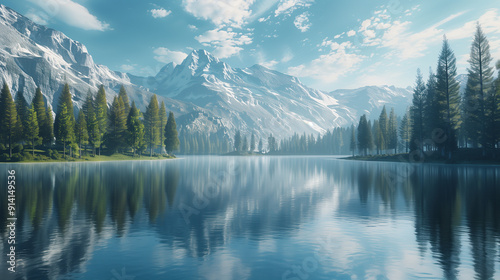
x: 327, y: 44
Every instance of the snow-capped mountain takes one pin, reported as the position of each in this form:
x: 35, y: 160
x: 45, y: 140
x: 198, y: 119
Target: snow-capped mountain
x: 32, y: 55
x: 206, y: 94
x: 369, y: 100
x: 254, y: 99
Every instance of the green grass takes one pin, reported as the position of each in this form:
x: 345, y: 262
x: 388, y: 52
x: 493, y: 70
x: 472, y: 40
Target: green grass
x: 44, y: 156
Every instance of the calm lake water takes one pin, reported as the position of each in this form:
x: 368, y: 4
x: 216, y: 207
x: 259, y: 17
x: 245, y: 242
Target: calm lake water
x: 253, y: 218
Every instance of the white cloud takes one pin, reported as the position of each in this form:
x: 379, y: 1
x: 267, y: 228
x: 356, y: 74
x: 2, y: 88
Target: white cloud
x: 220, y: 12
x: 37, y: 17
x: 226, y: 43
x: 302, y: 22
x: 165, y: 55
x: 351, y: 33
x: 490, y: 23
x: 160, y: 13
x: 192, y: 27
x: 70, y: 13
x: 127, y: 67
x: 328, y: 68
x: 288, y: 6
x: 269, y: 64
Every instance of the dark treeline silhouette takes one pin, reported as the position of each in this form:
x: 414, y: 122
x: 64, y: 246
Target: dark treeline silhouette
x: 440, y: 119
x: 120, y: 128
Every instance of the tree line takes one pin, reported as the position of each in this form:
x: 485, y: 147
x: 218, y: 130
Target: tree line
x: 122, y: 127
x: 440, y: 118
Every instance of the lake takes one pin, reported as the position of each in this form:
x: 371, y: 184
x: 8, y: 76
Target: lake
x: 291, y: 217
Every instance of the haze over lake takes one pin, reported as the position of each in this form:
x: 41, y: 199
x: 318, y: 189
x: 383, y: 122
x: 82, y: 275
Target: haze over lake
x: 254, y: 218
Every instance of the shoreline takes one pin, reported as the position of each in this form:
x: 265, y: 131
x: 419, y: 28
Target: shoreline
x: 429, y: 160
x: 84, y: 160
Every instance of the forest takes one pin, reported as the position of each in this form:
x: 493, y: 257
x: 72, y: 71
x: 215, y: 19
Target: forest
x: 30, y: 131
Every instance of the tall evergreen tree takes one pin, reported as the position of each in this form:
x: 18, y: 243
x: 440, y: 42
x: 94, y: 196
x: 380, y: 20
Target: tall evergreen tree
x: 8, y: 118
x: 135, y: 128
x: 101, y: 114
x: 417, y: 111
x: 39, y: 105
x: 163, y: 121
x: 252, y: 143
x: 237, y: 141
x: 32, y: 129
x: 405, y: 131
x: 81, y: 132
x: 65, y: 132
x: 431, y: 108
x: 384, y: 124
x: 244, y: 146
x: 448, y: 97
x: 117, y: 125
x: 22, y: 110
x: 48, y: 128
x: 126, y: 103
x: 377, y: 136
x: 171, y: 136
x: 261, y: 146
x: 151, y: 121
x: 352, y: 147
x: 392, y: 130
x: 479, y: 85
x: 365, y: 139
x: 65, y: 135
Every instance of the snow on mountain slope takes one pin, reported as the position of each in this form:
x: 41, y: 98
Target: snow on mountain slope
x: 32, y: 55
x: 369, y: 100
x: 254, y: 99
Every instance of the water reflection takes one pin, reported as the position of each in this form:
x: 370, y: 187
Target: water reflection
x: 255, y: 217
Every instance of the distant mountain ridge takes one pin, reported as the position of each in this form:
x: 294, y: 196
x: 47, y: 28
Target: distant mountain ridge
x: 205, y: 93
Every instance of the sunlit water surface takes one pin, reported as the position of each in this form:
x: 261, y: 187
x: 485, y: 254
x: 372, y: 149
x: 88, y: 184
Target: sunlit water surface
x: 253, y: 218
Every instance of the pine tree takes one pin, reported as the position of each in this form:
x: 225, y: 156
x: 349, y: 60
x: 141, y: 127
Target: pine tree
x: 135, y: 130
x: 48, y: 128
x: 65, y: 134
x: 8, y: 118
x: 92, y: 123
x: 448, y: 97
x: 417, y: 111
x: 151, y: 121
x: 479, y: 86
x: 365, y: 139
x: 117, y: 125
x: 471, y: 127
x: 352, y: 147
x: 22, y: 111
x: 171, y: 137
x: 101, y: 115
x: 261, y: 146
x: 32, y: 129
x: 252, y: 143
x: 163, y: 121
x: 405, y: 131
x: 384, y: 124
x: 126, y: 103
x: 237, y: 141
x: 45, y: 129
x: 271, y: 143
x: 81, y: 132
x: 431, y: 108
x: 244, y: 146
x: 393, y: 131
x: 377, y: 136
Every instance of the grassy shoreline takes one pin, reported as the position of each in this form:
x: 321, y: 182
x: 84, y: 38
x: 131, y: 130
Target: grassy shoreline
x: 42, y: 156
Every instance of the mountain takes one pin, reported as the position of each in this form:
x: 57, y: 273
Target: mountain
x: 32, y: 55
x: 254, y: 99
x: 369, y: 100
x: 206, y: 94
